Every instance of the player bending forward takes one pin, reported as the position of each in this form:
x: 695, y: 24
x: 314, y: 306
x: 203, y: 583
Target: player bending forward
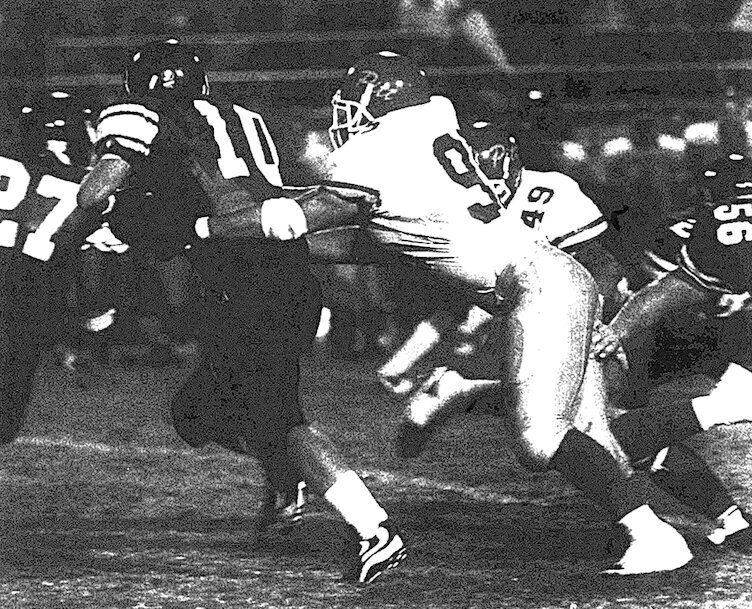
x: 199, y: 156
x: 439, y: 212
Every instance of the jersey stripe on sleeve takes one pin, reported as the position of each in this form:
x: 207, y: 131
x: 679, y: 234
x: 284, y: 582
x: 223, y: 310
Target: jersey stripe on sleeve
x: 125, y: 129
x: 581, y: 235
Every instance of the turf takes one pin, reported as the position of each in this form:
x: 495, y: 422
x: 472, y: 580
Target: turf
x: 102, y: 506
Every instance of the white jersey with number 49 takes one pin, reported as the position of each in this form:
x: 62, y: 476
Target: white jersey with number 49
x: 436, y: 206
x: 553, y: 204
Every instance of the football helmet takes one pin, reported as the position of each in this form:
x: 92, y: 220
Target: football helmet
x: 497, y: 154
x: 168, y: 70
x: 379, y: 83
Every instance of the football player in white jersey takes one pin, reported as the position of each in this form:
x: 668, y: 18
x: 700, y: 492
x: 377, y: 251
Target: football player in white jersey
x: 550, y: 203
x: 438, y: 211
x: 677, y: 469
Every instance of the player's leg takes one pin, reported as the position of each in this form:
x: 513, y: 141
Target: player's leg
x: 544, y: 353
x: 275, y: 423
x: 651, y: 436
x: 19, y: 356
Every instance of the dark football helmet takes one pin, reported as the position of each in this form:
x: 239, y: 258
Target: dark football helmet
x: 168, y: 70
x: 377, y: 84
x: 497, y: 153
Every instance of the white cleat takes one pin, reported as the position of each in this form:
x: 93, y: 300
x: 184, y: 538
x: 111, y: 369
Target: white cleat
x: 656, y: 548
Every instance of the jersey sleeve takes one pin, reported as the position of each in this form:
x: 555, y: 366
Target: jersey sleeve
x: 126, y: 131
x: 574, y: 218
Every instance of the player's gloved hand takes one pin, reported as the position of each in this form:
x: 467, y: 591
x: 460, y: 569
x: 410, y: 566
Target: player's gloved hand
x: 728, y: 304
x: 104, y: 240
x: 283, y: 219
x: 605, y: 341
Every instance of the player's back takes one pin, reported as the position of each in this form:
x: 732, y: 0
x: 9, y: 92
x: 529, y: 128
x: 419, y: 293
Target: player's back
x: 208, y: 156
x: 35, y: 202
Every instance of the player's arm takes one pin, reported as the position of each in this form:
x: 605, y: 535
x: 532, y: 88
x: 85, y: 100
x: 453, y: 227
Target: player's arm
x: 102, y: 181
x: 305, y: 211
x: 644, y: 309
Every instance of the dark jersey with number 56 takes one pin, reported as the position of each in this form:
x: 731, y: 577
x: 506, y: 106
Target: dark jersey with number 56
x: 200, y: 157
x: 718, y: 253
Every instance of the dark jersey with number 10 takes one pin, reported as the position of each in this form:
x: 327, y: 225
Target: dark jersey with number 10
x: 200, y: 157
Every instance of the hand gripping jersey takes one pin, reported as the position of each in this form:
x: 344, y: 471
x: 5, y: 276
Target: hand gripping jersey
x: 202, y: 157
x: 436, y: 207
x: 553, y: 204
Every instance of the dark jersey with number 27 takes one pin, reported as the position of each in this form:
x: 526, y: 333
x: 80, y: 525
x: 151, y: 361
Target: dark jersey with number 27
x: 39, y: 225
x: 191, y: 158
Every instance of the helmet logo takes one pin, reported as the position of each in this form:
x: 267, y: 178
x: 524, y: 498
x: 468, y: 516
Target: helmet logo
x: 169, y: 78
x: 368, y: 77
x: 386, y: 91
x: 497, y: 154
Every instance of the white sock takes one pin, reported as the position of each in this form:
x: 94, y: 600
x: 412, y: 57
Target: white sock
x: 424, y: 338
x: 352, y: 499
x: 640, y: 518
x: 711, y: 409
x: 730, y: 522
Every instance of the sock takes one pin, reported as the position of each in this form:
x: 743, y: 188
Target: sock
x: 424, y: 338
x: 352, y: 499
x: 683, y: 474
x: 586, y: 465
x: 730, y: 522
x: 643, y: 432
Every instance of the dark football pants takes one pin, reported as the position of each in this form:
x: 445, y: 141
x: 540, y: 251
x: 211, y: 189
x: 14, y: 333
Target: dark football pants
x: 240, y: 396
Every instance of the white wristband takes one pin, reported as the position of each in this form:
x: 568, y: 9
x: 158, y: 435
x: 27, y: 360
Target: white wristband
x: 202, y: 227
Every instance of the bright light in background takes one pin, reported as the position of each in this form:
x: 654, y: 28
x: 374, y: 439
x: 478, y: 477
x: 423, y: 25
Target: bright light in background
x: 710, y: 173
x: 59, y: 123
x: 702, y: 133
x: 735, y: 157
x: 573, y: 151
x: 26, y: 110
x: 316, y: 147
x: 60, y: 94
x: 617, y: 146
x: 669, y: 142
x: 535, y: 94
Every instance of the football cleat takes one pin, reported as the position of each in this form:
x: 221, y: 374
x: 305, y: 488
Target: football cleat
x: 282, y: 511
x: 732, y: 530
x: 659, y: 547
x: 376, y: 556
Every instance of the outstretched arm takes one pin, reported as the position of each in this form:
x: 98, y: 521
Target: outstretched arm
x: 651, y: 304
x: 307, y: 211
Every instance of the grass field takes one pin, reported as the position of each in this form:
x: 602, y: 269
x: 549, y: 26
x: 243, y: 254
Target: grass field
x: 102, y: 506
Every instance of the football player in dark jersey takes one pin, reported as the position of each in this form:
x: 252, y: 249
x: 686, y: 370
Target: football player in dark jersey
x: 200, y: 156
x: 714, y: 258
x: 39, y: 224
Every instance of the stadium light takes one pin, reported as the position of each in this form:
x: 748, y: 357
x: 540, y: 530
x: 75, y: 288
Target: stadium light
x: 670, y: 142
x: 702, y: 133
x: 574, y: 151
x: 617, y: 146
